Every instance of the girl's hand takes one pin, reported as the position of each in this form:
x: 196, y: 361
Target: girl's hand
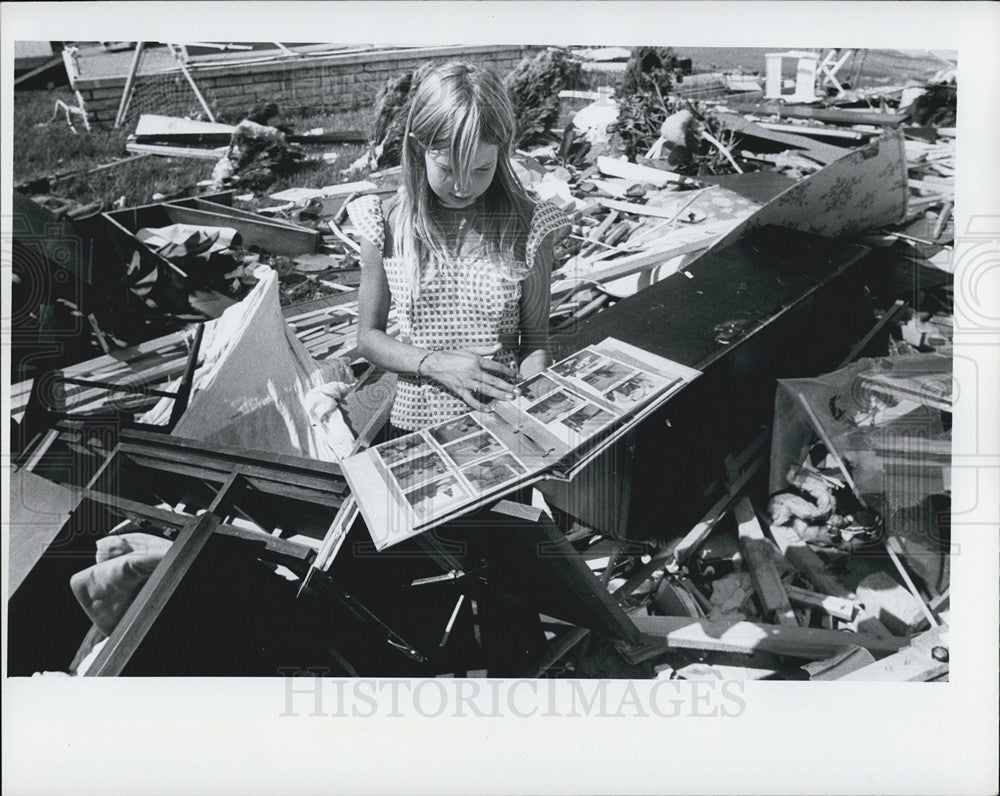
x: 467, y: 374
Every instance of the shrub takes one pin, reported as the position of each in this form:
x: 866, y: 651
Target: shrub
x: 534, y: 86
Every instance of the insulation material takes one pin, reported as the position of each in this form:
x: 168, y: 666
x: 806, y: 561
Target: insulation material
x: 865, y: 189
x: 252, y: 388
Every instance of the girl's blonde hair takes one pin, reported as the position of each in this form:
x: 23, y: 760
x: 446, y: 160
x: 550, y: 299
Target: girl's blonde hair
x: 453, y: 108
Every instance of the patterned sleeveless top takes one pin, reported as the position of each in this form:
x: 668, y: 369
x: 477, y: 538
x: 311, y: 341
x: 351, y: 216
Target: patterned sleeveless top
x: 466, y: 303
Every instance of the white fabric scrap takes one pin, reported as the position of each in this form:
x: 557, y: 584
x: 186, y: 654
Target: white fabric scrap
x: 250, y: 390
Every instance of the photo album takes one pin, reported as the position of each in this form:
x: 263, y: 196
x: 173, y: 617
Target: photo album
x: 413, y: 483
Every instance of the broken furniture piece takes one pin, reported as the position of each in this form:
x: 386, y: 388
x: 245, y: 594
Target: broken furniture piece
x: 161, y: 484
x: 806, y: 66
x: 41, y: 417
x: 276, y: 237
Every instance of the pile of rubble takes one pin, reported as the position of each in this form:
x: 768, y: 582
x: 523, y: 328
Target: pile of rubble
x: 783, y: 584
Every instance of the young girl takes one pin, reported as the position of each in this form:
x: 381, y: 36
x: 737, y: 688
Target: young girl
x: 460, y: 251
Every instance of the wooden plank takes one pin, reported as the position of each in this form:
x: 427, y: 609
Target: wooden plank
x: 130, y: 356
x: 154, y: 128
x: 798, y: 554
x: 326, y: 192
x: 556, y: 650
x: 190, y: 153
x: 750, y: 637
x: 613, y: 167
x: 837, y: 607
x: 895, y: 551
x: 274, y: 238
x: 831, y: 115
x: 701, y: 531
x: 816, y: 150
x: 232, y: 457
x: 818, y: 132
x: 906, y: 666
x: 929, y: 187
x: 167, y: 128
x: 625, y: 591
x: 134, y: 509
x: 38, y: 70
x: 268, y: 483
x: 198, y: 203
x: 757, y: 555
x: 887, y: 316
x: 806, y: 561
x: 638, y: 209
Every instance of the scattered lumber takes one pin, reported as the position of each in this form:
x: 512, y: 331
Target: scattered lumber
x: 156, y: 129
x: 830, y: 115
x: 750, y: 637
x: 627, y: 266
x: 816, y: 150
x: 819, y: 132
x: 700, y: 532
x: 167, y: 151
x: 50, y: 64
x: 759, y: 560
x: 837, y: 607
x: 633, y: 172
x: 800, y: 556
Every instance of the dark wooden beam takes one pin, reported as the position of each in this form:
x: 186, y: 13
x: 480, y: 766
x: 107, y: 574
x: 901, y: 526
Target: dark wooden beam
x: 749, y: 637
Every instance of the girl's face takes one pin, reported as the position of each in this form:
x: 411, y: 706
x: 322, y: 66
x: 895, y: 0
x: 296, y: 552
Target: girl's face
x: 452, y: 187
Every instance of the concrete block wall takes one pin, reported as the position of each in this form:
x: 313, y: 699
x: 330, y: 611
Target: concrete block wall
x: 333, y: 83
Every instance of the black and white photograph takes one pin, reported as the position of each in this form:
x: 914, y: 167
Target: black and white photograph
x: 535, y: 388
x: 246, y: 281
x: 472, y: 448
x: 403, y: 448
x: 455, y: 429
x: 554, y: 405
x: 633, y: 390
x: 436, y: 497
x: 488, y: 475
x: 419, y: 470
x: 587, y: 420
x: 606, y: 374
x: 576, y: 365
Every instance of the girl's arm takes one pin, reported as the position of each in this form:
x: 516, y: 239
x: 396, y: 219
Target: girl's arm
x: 463, y: 372
x: 373, y: 313
x: 536, y: 299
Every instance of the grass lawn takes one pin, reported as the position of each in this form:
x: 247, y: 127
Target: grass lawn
x: 43, y: 148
